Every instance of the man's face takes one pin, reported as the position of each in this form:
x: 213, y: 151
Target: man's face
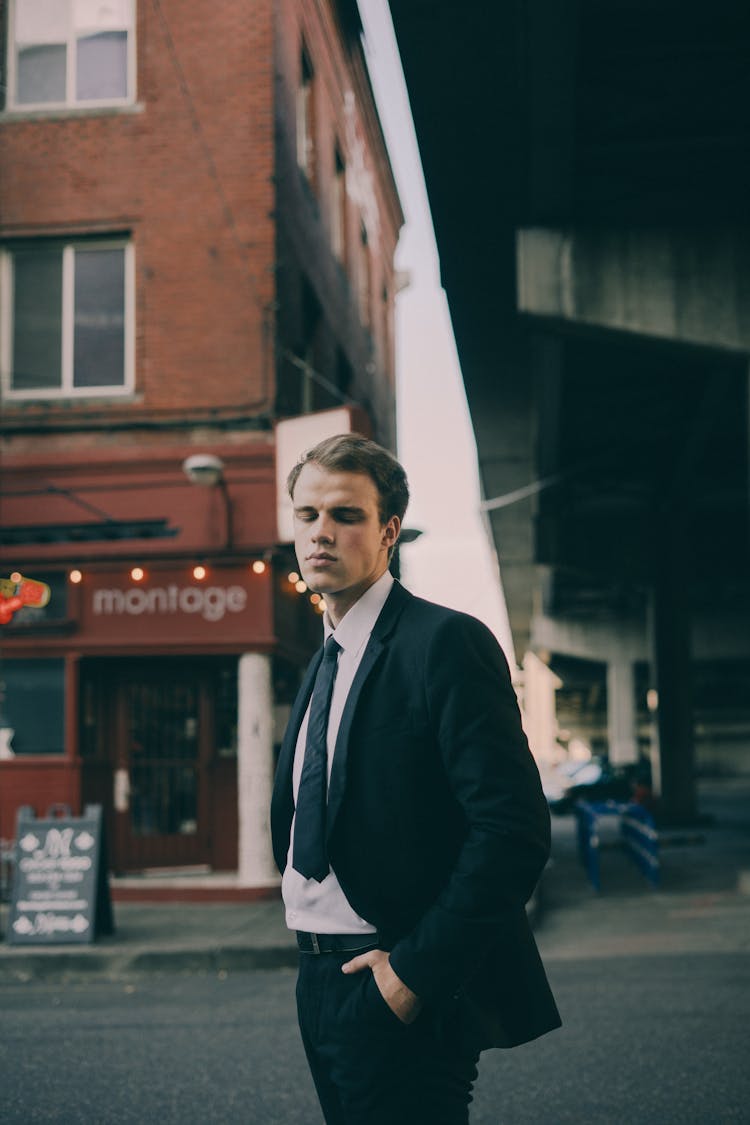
x: 342, y: 546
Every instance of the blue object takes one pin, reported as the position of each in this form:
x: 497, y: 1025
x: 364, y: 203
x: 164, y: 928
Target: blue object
x: 638, y: 835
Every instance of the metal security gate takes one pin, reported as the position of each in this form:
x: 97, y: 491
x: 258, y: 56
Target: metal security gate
x: 160, y: 779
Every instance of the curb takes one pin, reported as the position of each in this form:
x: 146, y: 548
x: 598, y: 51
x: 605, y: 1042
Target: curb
x: 21, y: 966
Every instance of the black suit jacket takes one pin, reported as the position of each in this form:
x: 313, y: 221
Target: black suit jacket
x: 437, y: 826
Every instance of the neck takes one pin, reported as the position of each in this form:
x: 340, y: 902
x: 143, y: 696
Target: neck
x: 339, y: 604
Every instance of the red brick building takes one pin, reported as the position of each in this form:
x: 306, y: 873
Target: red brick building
x: 197, y: 227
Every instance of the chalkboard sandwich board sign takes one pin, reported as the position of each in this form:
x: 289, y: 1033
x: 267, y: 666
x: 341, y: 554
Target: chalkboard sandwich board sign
x: 60, y: 887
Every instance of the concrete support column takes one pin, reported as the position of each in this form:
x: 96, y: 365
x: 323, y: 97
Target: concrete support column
x: 670, y: 629
x: 255, y: 766
x: 621, y: 725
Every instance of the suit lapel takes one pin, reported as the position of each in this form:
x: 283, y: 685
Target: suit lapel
x: 382, y: 629
x: 338, y: 771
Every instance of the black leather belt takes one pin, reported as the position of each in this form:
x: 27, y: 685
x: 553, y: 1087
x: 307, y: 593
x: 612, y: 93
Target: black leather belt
x: 335, y: 943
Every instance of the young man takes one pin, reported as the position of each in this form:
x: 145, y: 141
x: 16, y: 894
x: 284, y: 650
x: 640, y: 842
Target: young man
x: 408, y: 820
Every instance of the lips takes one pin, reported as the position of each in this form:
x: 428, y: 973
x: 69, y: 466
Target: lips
x: 321, y: 557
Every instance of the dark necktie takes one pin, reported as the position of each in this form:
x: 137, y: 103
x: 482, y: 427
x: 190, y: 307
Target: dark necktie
x: 309, y: 853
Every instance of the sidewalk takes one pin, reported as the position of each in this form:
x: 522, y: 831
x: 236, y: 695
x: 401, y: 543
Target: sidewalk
x: 165, y: 937
x: 702, y: 905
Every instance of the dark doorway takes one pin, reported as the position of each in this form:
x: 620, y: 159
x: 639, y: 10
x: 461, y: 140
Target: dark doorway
x: 158, y: 739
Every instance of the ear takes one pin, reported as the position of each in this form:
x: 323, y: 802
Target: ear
x: 391, y: 533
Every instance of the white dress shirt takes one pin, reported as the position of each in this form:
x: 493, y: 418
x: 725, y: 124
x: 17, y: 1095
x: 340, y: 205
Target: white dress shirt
x: 322, y: 908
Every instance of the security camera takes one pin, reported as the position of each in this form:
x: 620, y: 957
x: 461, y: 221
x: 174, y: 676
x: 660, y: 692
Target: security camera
x: 203, y: 468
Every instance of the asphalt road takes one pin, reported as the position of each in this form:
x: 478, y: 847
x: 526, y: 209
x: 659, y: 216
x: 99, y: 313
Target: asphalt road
x: 649, y: 1040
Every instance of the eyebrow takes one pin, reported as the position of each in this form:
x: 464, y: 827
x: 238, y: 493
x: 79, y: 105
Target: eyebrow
x: 337, y: 510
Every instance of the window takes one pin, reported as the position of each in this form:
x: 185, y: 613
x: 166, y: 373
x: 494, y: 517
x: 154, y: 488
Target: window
x: 365, y: 287
x: 71, y: 53
x: 338, y: 207
x: 312, y: 320
x: 385, y: 331
x: 305, y: 118
x: 66, y: 318
x: 32, y: 705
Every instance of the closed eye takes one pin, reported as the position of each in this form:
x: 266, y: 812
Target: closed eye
x: 340, y: 515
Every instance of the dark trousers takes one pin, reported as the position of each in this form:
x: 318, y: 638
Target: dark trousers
x: 368, y: 1067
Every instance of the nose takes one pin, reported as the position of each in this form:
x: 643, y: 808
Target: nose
x: 323, y: 530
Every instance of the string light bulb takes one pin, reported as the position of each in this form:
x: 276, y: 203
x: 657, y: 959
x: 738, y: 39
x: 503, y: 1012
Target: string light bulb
x: 259, y: 566
x: 293, y: 577
x: 137, y: 574
x: 199, y: 572
x: 75, y: 577
x: 300, y: 586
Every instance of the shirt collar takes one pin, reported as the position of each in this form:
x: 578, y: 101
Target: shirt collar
x: 355, y: 626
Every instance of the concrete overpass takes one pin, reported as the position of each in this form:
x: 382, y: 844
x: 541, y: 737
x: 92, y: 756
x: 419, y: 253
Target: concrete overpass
x: 588, y: 171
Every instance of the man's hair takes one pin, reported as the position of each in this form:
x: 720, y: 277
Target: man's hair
x: 352, y: 453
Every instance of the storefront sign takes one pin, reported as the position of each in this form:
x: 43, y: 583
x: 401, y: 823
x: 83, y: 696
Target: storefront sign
x: 60, y: 887
x: 169, y: 605
x: 211, y: 603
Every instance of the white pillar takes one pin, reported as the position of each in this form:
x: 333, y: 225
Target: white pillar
x: 539, y: 713
x: 621, y: 725
x: 256, y: 867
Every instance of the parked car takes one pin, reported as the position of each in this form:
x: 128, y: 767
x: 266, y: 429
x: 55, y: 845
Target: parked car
x: 593, y: 780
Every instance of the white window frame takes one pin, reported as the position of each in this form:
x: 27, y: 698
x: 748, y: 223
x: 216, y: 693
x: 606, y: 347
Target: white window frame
x: 66, y: 390
x: 70, y: 102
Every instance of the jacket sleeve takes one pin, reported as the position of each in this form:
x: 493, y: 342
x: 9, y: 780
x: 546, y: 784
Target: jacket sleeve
x: 473, y: 711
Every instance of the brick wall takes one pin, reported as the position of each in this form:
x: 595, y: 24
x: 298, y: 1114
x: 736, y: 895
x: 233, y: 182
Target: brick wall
x: 232, y: 242
x: 188, y: 172
x: 352, y: 346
